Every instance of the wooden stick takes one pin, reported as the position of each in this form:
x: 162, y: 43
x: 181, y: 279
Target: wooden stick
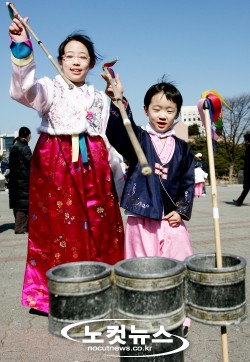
x: 70, y: 84
x: 213, y: 185
x: 145, y: 168
x: 224, y: 344
x: 215, y: 215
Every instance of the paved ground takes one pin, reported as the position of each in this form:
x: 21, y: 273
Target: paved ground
x: 25, y: 337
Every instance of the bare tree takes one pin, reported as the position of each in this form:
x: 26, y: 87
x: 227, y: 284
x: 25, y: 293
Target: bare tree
x: 235, y: 124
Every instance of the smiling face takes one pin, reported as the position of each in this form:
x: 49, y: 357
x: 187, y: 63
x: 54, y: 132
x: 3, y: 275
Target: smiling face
x: 161, y: 112
x: 76, y: 62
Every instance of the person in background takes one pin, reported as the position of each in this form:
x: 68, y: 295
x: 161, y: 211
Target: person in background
x: 200, y: 168
x: 2, y: 182
x: 246, y: 173
x: 5, y: 164
x: 18, y: 179
x: 157, y: 204
x: 5, y: 170
x: 74, y: 209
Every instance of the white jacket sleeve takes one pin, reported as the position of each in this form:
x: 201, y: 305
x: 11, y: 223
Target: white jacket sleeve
x: 29, y: 91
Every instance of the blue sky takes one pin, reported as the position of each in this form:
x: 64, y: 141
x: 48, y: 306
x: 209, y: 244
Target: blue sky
x: 197, y: 44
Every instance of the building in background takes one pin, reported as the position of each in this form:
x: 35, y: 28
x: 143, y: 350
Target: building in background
x: 6, y: 141
x: 190, y: 116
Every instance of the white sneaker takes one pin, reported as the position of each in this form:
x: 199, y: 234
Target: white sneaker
x: 204, y: 195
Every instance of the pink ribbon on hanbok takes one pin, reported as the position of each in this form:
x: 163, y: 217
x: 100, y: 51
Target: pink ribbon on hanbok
x: 161, y: 171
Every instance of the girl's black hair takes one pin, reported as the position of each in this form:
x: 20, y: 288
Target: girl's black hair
x: 85, y: 40
x: 170, y: 91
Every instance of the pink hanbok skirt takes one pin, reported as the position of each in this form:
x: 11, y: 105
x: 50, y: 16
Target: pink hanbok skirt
x: 74, y: 213
x: 198, y: 189
x: 146, y: 237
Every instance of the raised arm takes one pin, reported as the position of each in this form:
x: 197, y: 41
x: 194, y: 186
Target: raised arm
x: 25, y: 88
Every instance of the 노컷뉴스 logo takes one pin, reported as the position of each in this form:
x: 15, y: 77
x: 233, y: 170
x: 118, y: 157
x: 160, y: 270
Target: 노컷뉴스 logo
x: 118, y: 339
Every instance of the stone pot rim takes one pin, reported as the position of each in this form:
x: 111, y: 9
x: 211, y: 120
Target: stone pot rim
x: 52, y: 274
x: 189, y: 261
x: 177, y: 268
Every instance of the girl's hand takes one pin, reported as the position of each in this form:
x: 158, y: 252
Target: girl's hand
x: 17, y: 30
x: 173, y: 218
x: 109, y: 90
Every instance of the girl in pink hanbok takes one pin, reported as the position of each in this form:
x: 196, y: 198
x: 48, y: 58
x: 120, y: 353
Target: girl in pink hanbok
x: 156, y: 205
x: 200, y: 176
x: 74, y: 212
